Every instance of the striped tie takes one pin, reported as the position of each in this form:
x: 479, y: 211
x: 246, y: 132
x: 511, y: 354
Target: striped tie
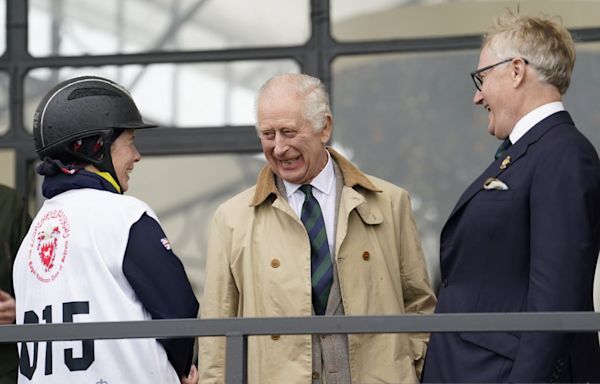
x: 502, y: 149
x: 320, y: 266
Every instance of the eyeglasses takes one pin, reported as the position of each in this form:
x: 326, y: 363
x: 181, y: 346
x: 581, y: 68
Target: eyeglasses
x: 476, y: 75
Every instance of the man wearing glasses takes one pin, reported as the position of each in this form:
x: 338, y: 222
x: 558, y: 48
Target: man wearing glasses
x: 525, y: 236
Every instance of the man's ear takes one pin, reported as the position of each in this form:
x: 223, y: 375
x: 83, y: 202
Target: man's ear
x: 326, y: 132
x: 518, y: 69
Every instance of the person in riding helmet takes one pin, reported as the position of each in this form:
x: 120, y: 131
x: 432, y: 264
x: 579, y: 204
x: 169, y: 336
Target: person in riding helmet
x: 93, y: 254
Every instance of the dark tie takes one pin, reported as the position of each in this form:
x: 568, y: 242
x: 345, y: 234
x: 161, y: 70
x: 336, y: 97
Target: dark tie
x: 502, y: 148
x: 320, y: 266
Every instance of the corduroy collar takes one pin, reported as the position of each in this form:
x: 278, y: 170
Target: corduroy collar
x: 265, y: 183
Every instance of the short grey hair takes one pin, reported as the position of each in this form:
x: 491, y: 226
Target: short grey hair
x: 546, y: 44
x: 311, y: 90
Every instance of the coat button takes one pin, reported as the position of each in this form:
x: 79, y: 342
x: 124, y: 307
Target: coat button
x: 275, y: 263
x: 444, y: 282
x: 275, y: 337
x: 315, y: 375
x: 366, y: 256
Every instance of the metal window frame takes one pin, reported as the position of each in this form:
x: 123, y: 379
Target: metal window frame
x: 314, y: 57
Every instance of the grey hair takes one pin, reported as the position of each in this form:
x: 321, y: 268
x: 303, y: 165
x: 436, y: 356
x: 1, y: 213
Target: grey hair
x: 546, y: 44
x: 311, y: 90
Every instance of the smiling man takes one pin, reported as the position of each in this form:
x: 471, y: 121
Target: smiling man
x: 315, y: 236
x: 525, y: 236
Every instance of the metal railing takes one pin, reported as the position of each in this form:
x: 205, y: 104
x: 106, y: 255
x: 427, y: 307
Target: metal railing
x: 237, y: 330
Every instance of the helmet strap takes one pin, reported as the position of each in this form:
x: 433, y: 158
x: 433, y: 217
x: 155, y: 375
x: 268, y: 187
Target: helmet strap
x: 101, y: 155
x: 108, y: 177
x: 105, y: 164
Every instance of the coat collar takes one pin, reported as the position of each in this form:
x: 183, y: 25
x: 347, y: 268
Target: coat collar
x: 352, y: 176
x: 516, y: 152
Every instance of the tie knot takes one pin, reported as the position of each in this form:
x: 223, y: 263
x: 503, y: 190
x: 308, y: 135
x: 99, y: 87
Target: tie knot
x: 307, y: 189
x: 503, y: 148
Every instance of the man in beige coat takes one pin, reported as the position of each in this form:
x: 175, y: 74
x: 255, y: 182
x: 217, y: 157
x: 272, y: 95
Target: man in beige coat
x: 259, y: 254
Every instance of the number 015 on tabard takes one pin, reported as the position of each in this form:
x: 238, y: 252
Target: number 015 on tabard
x: 28, y: 358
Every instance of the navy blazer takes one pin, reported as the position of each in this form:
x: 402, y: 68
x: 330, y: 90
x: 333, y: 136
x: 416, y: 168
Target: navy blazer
x: 530, y: 248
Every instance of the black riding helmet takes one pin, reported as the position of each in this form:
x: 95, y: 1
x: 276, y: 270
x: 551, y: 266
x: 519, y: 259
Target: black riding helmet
x: 78, y: 120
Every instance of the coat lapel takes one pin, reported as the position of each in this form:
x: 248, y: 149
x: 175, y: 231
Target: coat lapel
x: 516, y: 152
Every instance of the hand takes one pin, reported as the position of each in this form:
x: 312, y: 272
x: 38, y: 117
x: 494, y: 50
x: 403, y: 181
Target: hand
x: 192, y: 377
x: 7, y: 308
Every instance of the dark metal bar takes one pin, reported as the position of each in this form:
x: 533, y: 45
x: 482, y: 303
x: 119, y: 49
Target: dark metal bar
x: 460, y: 322
x: 16, y: 31
x: 585, y: 35
x: 331, y: 48
x: 236, y: 362
x: 324, y: 52
x: 163, y: 57
x: 16, y: 53
x: 404, y: 46
x: 165, y: 141
x: 168, y: 141
x: 21, y: 182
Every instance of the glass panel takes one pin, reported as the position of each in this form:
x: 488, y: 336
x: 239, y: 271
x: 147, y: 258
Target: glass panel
x: 186, y: 95
x: 78, y: 27
x: 7, y: 167
x: 4, y: 103
x: 396, y: 19
x: 582, y: 97
x: 582, y: 102
x: 185, y: 191
x: 409, y: 118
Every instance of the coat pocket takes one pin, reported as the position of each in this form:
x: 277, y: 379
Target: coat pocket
x: 495, y: 195
x: 502, y: 343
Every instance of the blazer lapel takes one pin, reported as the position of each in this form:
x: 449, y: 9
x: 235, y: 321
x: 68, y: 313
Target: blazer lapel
x: 516, y: 152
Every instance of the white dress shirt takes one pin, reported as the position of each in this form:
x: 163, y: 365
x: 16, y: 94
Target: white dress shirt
x: 532, y: 118
x: 324, y: 191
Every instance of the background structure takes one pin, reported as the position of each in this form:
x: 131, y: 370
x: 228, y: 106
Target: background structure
x: 397, y: 71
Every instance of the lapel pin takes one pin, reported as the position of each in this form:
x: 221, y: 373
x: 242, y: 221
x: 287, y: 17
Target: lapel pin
x: 505, y: 162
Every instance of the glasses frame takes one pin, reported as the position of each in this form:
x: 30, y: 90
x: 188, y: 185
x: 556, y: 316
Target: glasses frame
x: 478, y: 80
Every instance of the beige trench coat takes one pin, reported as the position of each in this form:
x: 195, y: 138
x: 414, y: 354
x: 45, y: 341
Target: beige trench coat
x: 258, y: 265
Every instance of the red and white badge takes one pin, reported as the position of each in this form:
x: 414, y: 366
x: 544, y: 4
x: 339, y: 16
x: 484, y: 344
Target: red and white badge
x: 49, y: 246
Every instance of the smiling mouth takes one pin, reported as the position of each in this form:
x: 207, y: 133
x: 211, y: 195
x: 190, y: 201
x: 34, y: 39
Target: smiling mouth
x: 289, y: 162
x: 487, y: 108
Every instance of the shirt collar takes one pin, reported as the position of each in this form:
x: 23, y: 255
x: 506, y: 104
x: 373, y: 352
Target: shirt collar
x: 532, y: 118
x: 351, y: 175
x: 323, y: 182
